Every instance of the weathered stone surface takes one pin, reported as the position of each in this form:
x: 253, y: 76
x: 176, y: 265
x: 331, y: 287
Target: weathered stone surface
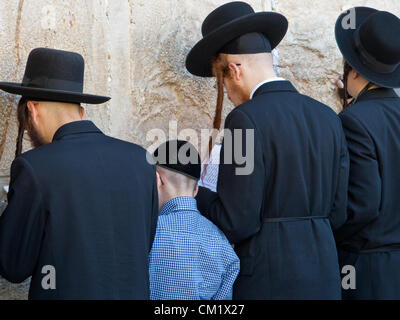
x: 9, y: 291
x: 308, y: 55
x: 135, y: 52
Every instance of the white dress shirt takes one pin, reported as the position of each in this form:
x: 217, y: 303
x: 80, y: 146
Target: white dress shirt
x: 210, y: 180
x: 264, y: 82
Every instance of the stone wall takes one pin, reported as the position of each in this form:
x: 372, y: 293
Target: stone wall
x: 135, y: 52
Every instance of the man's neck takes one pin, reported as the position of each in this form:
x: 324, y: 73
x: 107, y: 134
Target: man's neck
x: 58, y: 124
x: 362, y: 85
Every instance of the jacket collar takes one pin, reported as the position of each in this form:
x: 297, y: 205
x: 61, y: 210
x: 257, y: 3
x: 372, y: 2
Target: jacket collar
x: 275, y: 86
x: 379, y: 93
x: 77, y: 127
x: 264, y: 82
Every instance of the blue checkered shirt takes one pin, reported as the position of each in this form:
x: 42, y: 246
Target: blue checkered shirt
x: 191, y: 259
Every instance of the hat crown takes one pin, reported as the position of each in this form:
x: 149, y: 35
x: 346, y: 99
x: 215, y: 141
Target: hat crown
x: 179, y: 156
x: 225, y: 14
x: 376, y: 35
x: 54, y: 69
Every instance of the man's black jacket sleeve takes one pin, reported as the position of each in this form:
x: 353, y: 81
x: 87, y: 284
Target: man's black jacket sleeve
x: 21, y: 225
x: 236, y: 209
x: 365, y: 184
x: 338, y: 214
x: 154, y: 212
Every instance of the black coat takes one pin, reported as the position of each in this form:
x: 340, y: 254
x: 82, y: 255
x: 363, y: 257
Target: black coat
x: 370, y: 240
x: 280, y: 216
x: 87, y: 205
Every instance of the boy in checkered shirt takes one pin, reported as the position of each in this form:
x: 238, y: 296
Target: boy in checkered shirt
x: 191, y: 259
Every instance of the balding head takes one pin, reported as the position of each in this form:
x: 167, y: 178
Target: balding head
x: 239, y: 74
x: 242, y: 73
x: 262, y: 62
x: 60, y: 111
x: 43, y: 118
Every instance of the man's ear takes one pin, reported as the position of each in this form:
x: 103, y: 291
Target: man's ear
x: 235, y: 71
x: 82, y: 113
x: 33, y: 108
x: 159, y: 180
x: 354, y: 74
x: 196, y: 190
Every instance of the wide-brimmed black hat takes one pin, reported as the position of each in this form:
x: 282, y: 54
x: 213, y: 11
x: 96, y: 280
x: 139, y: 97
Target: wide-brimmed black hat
x: 179, y: 156
x: 53, y: 75
x: 373, y: 47
x: 227, y: 23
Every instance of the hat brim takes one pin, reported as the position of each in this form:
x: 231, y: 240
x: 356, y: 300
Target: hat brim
x: 52, y: 95
x: 272, y: 24
x: 344, y: 39
x: 178, y: 171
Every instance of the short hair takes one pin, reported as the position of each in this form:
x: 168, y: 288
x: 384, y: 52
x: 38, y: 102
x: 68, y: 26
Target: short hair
x: 179, y: 181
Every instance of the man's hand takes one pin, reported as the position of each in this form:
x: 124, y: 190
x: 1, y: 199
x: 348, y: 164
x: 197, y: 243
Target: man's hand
x: 340, y: 86
x: 4, y: 193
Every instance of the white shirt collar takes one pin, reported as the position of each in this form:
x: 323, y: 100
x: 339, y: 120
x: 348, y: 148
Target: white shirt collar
x: 264, y: 82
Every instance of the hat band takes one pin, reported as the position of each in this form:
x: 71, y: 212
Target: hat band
x: 53, y: 84
x: 249, y: 43
x: 370, y: 61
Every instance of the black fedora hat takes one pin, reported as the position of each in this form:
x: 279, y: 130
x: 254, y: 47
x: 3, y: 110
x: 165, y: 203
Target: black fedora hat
x: 179, y: 156
x: 53, y: 75
x: 228, y: 22
x: 373, y: 47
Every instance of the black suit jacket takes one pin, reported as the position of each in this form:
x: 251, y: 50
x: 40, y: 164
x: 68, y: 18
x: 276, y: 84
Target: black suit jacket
x: 280, y: 216
x: 86, y: 204
x: 370, y: 239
